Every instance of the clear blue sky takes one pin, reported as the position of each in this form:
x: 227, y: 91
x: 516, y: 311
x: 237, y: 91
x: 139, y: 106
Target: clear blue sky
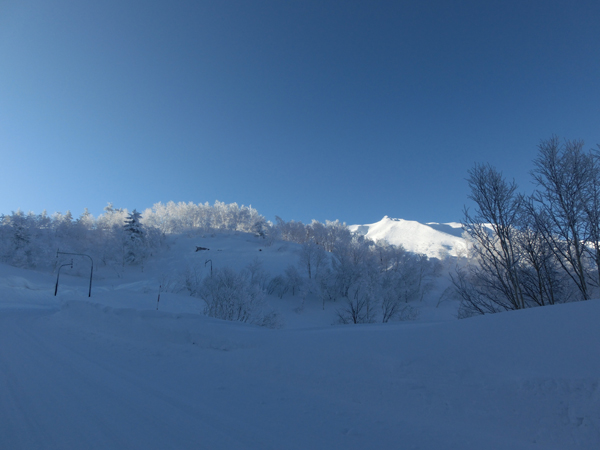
x: 304, y: 109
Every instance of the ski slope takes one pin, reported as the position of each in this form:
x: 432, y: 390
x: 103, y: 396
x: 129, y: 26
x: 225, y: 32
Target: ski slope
x: 112, y: 371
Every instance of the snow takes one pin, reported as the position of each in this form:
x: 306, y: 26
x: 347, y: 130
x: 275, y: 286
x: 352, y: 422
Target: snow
x: 112, y: 371
x: 436, y: 240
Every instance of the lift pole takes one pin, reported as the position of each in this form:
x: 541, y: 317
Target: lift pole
x: 58, y: 276
x: 80, y: 254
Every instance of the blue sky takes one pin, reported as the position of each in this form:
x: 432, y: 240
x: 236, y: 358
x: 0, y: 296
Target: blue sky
x: 304, y: 109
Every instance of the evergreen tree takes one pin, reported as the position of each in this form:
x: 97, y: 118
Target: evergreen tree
x: 134, y: 238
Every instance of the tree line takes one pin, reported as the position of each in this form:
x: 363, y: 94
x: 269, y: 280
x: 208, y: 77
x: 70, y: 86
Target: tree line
x: 368, y: 281
x: 117, y: 237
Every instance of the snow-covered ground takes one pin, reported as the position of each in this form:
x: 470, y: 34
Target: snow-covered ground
x: 113, y: 372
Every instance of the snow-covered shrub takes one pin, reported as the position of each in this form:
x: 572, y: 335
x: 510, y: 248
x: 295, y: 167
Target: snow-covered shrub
x: 408, y: 312
x: 232, y: 296
x: 258, y: 275
x: 277, y: 286
x: 373, y: 281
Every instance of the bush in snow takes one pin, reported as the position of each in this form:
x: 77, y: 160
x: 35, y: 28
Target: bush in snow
x: 375, y: 281
x: 277, y: 286
x: 233, y: 296
x: 257, y: 274
x: 359, y: 306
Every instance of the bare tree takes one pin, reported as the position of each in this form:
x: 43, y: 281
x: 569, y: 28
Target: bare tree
x: 541, y: 277
x: 538, y: 250
x: 475, y: 299
x: 492, y: 230
x: 592, y: 213
x: 391, y: 297
x: 567, y: 192
x: 359, y: 306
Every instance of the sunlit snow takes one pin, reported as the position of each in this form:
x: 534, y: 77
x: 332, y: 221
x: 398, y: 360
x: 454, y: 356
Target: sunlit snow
x: 436, y: 240
x: 114, y: 372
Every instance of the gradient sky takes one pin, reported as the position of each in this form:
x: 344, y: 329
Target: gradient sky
x: 304, y: 109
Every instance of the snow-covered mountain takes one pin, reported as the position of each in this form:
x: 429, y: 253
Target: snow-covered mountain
x: 437, y: 240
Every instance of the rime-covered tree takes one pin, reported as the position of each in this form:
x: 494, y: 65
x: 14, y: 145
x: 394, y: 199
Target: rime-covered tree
x: 134, y: 238
x: 312, y: 259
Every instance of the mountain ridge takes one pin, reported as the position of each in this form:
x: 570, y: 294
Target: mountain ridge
x: 436, y: 240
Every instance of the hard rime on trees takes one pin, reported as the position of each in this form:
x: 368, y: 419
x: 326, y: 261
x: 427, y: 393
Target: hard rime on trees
x: 312, y: 258
x: 374, y: 281
x: 134, y: 238
x: 234, y: 296
x: 204, y: 218
x: 370, y: 282
x: 27, y: 240
x: 536, y: 250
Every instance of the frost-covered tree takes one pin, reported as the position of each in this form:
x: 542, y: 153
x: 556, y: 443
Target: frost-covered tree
x: 293, y: 279
x: 20, y: 249
x: 30, y: 240
x: 257, y: 274
x: 134, y: 238
x: 292, y: 231
x: 232, y: 296
x: 277, y: 286
x: 312, y: 259
x: 201, y: 218
x: 111, y: 233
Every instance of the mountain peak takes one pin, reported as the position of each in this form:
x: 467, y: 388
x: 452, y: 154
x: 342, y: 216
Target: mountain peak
x: 438, y: 240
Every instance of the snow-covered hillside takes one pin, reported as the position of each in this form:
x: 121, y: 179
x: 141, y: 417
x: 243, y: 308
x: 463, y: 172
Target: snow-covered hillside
x: 436, y: 240
x: 112, y: 371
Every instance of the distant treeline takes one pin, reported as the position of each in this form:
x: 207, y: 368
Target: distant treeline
x: 117, y: 237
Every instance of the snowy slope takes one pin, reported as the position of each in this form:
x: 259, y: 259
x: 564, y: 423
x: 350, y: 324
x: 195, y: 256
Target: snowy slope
x: 433, y: 239
x: 114, y: 372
